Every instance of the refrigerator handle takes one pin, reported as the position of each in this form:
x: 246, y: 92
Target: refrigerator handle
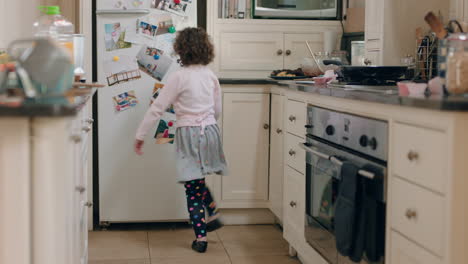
x: 122, y: 12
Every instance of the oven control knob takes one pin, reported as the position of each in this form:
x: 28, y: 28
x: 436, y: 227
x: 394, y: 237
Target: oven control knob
x: 363, y: 141
x: 330, y: 130
x: 373, y: 143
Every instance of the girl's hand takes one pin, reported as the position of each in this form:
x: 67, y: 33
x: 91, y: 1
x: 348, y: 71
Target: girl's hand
x: 139, y: 147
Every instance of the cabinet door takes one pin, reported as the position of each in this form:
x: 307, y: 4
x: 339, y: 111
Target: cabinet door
x: 296, y: 49
x: 374, y: 57
x: 374, y: 19
x: 294, y: 206
x: 404, y: 251
x: 246, y: 142
x: 276, y: 156
x: 251, y: 51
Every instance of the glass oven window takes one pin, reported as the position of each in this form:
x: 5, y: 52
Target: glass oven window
x: 324, y: 186
x: 297, y: 5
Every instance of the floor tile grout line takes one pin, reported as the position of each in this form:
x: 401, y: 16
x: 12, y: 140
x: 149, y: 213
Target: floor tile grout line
x: 225, y: 249
x: 149, y: 247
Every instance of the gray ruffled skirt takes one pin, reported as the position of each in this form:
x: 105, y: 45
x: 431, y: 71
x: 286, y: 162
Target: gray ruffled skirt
x: 199, y: 154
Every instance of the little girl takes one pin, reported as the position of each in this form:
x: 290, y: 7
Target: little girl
x: 195, y: 93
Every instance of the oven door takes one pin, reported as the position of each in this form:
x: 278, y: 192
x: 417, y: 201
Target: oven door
x: 323, y: 179
x: 322, y: 185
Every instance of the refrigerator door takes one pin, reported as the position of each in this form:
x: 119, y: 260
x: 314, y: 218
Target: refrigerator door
x: 132, y: 188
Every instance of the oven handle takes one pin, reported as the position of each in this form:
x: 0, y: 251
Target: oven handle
x: 335, y: 160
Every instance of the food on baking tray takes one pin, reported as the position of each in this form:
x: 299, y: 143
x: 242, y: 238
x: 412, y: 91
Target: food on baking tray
x: 288, y: 73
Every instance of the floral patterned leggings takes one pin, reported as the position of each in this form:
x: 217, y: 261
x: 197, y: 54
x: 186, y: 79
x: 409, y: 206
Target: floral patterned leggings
x: 198, y: 199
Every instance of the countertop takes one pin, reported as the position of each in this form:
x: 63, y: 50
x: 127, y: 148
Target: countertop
x: 46, y: 107
x: 435, y: 102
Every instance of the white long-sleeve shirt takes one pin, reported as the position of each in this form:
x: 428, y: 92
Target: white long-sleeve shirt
x: 195, y: 93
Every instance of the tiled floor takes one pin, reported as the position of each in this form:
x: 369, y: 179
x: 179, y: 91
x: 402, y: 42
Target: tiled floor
x: 231, y: 244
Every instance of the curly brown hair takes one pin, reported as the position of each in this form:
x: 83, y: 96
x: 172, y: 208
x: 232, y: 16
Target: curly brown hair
x: 194, y: 47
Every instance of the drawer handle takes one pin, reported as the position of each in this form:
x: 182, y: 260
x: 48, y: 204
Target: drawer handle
x: 279, y: 52
x: 76, y: 138
x: 279, y: 131
x: 89, y: 121
x: 413, y: 156
x: 80, y: 189
x: 288, y: 52
x: 292, y: 152
x: 367, y: 62
x: 89, y: 204
x: 86, y: 129
x: 266, y: 126
x: 411, y: 213
x: 292, y: 118
x: 293, y: 204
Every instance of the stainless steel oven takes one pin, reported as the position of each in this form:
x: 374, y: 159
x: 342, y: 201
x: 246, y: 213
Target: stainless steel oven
x: 332, y: 139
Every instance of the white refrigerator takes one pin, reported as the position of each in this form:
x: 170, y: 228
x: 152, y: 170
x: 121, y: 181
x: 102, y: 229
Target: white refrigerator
x: 132, y: 188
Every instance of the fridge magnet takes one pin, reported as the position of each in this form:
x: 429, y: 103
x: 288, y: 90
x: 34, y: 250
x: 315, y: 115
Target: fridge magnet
x: 125, y: 101
x: 120, y: 69
x: 165, y: 131
x: 115, y: 37
x: 157, y: 69
x: 177, y: 7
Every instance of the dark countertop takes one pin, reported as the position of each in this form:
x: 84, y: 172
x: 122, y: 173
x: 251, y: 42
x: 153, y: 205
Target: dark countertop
x: 434, y: 102
x: 47, y: 107
x: 247, y: 81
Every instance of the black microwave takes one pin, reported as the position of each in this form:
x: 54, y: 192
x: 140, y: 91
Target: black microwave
x: 298, y: 9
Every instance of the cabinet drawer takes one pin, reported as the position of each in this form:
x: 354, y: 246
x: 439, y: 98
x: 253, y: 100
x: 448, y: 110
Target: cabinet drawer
x: 420, y: 217
x: 295, y: 156
x: 404, y: 251
x: 294, y: 207
x: 296, y: 114
x: 373, y: 44
x: 420, y: 156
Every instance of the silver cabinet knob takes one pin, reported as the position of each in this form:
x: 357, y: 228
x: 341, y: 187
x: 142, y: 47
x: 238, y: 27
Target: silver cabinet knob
x: 288, y: 52
x: 75, y: 138
x: 411, y: 213
x: 86, y: 129
x: 279, y: 52
x: 367, y: 62
x: 279, y: 131
x: 293, y: 204
x: 413, y: 155
x: 89, y: 120
x: 292, y: 118
x: 266, y: 126
x: 80, y: 189
x: 89, y: 204
x: 292, y: 152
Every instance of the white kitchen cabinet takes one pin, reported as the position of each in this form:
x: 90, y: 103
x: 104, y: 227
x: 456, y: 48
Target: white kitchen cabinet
x: 265, y: 51
x: 42, y: 184
x: 390, y: 27
x: 276, y: 155
x: 251, y: 51
x: 294, y: 207
x: 295, y: 48
x: 246, y: 145
x: 405, y: 252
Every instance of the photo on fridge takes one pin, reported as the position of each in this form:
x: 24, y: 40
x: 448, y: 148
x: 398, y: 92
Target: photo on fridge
x: 115, y: 37
x: 164, y: 24
x: 155, y: 67
x: 120, y: 69
x: 147, y: 30
x: 160, y: 4
x: 125, y: 101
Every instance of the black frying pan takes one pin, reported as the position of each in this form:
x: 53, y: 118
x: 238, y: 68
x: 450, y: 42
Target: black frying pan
x: 359, y: 73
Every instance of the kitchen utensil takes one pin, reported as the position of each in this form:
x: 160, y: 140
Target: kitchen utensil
x: 436, y: 25
x: 47, y: 64
x: 313, y: 56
